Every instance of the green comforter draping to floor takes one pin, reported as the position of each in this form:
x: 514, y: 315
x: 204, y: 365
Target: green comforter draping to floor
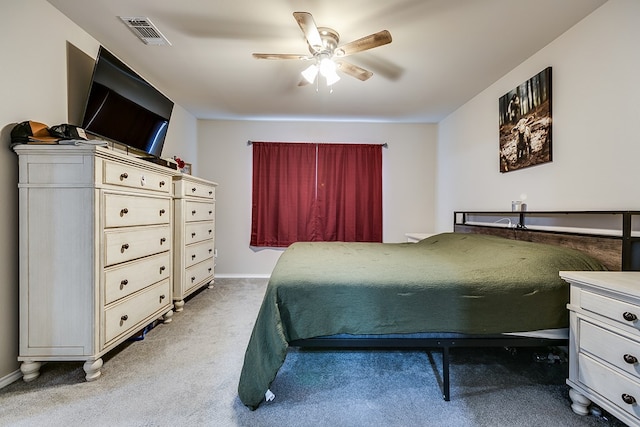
x: 450, y: 282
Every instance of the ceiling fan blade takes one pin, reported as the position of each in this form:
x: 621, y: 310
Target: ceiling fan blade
x: 365, y: 43
x: 353, y: 70
x: 310, y: 30
x: 281, y: 56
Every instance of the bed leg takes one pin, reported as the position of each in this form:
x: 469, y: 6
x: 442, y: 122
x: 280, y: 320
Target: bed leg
x: 445, y: 373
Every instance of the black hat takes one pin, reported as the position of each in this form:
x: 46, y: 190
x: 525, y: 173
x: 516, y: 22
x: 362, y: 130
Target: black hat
x: 31, y: 131
x: 66, y: 131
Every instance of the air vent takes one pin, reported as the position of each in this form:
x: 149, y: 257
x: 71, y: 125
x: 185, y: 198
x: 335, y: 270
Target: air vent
x: 144, y: 29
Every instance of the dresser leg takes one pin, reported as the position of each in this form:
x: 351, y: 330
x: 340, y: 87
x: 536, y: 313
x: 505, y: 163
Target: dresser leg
x: 580, y: 403
x: 168, y: 317
x: 210, y: 285
x: 178, y: 305
x: 30, y: 370
x: 92, y: 369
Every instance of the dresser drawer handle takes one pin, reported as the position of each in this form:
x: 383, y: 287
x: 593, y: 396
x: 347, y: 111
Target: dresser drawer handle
x: 163, y: 268
x: 124, y: 318
x: 193, y: 279
x: 123, y: 283
x: 162, y: 297
x: 124, y: 247
x: 210, y: 212
x: 210, y: 192
x: 162, y: 211
x: 628, y: 399
x: 210, y: 250
x: 161, y: 183
x: 630, y: 359
x: 210, y: 231
x: 209, y: 269
x: 629, y: 317
x: 193, y: 235
x: 162, y: 240
x: 193, y: 212
x: 193, y: 190
x: 124, y: 176
x: 124, y: 211
x: 193, y: 256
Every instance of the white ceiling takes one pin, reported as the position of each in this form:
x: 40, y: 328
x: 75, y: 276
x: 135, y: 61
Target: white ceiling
x: 443, y: 53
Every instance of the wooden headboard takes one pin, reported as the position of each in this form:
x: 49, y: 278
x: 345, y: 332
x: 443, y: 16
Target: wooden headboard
x: 614, y: 246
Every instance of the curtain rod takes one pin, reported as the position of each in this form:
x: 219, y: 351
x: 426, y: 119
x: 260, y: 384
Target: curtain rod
x: 385, y: 145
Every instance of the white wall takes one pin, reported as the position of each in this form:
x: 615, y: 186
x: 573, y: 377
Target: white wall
x: 596, y: 142
x: 225, y: 157
x: 34, y: 38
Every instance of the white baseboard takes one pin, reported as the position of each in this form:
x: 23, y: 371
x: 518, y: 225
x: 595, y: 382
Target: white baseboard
x: 242, y: 276
x: 12, y: 377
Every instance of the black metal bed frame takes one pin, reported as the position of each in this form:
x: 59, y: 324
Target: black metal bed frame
x: 443, y: 344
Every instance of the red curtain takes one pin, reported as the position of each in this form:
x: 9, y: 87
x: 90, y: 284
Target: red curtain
x: 316, y: 192
x: 284, y: 183
x: 350, y: 192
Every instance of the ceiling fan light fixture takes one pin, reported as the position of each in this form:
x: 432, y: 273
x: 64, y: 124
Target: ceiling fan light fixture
x: 310, y: 73
x: 328, y: 70
x: 331, y: 77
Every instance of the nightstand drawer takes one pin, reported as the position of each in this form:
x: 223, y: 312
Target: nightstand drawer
x: 613, y: 386
x: 614, y: 349
x: 622, y: 312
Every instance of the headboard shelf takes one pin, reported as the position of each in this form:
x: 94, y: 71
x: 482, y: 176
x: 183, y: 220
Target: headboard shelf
x: 613, y: 237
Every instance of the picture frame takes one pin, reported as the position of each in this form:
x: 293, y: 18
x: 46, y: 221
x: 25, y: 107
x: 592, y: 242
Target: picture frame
x: 186, y: 169
x: 525, y: 124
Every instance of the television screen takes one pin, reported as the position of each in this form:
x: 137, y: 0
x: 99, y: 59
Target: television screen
x: 124, y: 108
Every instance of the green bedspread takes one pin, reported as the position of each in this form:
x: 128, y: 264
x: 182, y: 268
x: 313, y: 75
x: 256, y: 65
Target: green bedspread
x: 464, y: 283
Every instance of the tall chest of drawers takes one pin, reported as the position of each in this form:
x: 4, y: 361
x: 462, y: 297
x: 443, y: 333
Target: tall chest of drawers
x: 604, y: 342
x: 194, y: 235
x: 95, y: 252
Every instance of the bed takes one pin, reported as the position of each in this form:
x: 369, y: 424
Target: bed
x: 448, y: 290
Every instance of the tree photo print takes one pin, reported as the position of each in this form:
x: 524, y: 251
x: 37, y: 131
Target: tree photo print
x: 525, y: 124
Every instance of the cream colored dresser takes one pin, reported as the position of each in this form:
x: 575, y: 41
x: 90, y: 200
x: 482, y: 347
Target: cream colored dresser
x: 194, y: 235
x: 604, y: 342
x: 95, y: 252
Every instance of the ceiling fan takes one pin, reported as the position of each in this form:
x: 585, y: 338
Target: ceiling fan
x: 327, y: 54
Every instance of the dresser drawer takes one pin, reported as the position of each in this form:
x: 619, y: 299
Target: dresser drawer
x: 198, y: 252
x: 608, y: 346
x: 609, y: 383
x: 199, y: 211
x: 127, y: 244
x: 133, y: 177
x: 121, y: 317
x: 195, y: 189
x: 198, y: 231
x: 198, y: 274
x: 128, y: 278
x: 612, y: 308
x: 125, y: 211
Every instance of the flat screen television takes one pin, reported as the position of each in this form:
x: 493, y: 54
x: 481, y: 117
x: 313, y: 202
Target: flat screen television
x: 124, y: 108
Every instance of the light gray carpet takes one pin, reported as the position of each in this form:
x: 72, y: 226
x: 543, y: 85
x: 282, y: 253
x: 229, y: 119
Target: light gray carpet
x: 186, y: 373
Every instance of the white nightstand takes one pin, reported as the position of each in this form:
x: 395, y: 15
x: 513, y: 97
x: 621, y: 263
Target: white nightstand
x: 604, y: 342
x: 416, y: 237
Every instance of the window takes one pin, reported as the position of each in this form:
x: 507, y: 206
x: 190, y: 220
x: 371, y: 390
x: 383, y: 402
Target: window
x: 316, y: 192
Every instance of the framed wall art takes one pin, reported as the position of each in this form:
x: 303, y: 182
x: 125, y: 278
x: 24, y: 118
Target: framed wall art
x: 525, y: 124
